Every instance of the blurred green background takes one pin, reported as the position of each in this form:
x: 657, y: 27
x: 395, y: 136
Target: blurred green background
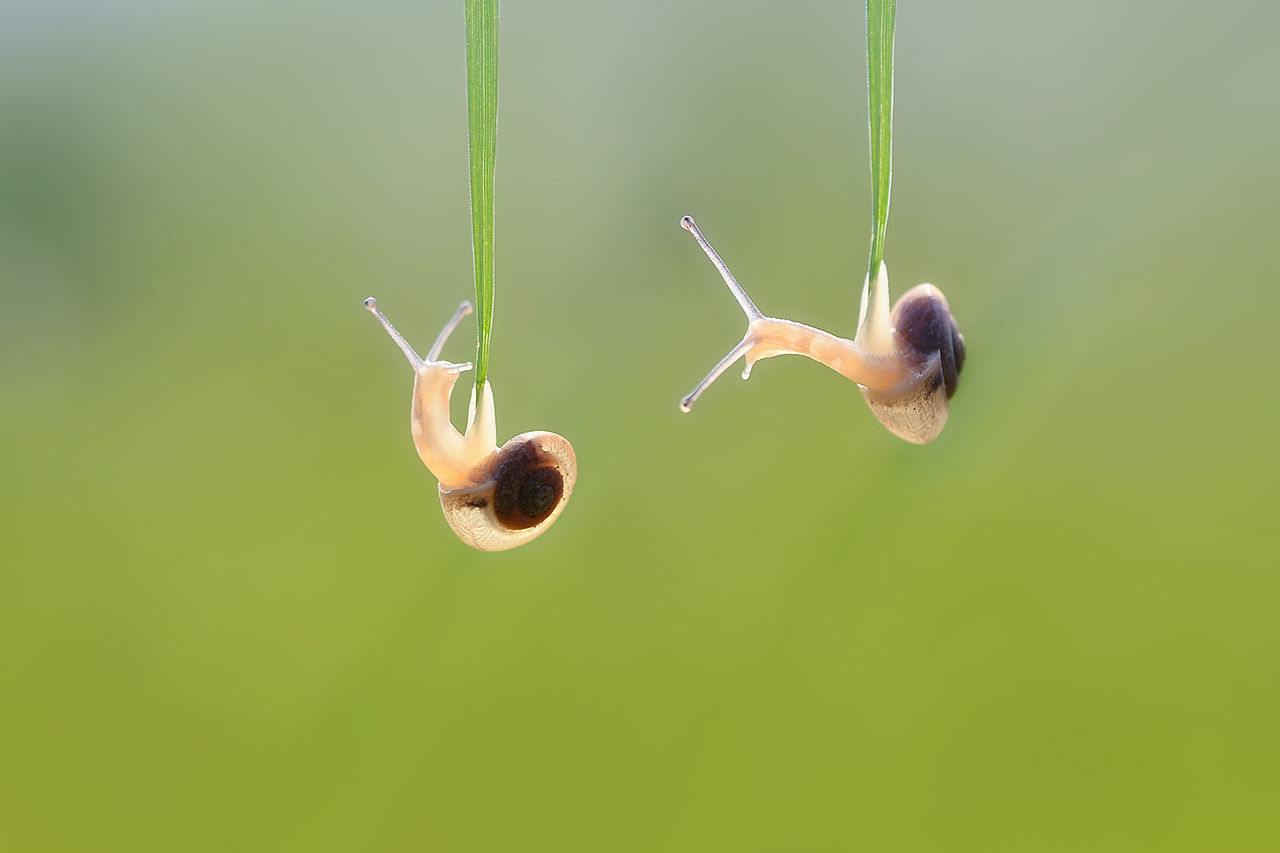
x: 232, y: 617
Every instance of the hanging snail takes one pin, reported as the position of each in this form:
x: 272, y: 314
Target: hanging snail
x: 907, y: 362
x: 494, y: 498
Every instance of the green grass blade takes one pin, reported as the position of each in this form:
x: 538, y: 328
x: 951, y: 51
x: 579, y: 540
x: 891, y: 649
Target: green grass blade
x: 482, y: 139
x: 881, y: 15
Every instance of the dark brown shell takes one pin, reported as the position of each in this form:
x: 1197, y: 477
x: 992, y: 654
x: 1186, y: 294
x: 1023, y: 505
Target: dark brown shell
x: 931, y: 345
x: 523, y: 489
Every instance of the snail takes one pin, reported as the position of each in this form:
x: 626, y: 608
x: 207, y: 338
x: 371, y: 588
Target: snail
x: 493, y: 497
x: 907, y: 362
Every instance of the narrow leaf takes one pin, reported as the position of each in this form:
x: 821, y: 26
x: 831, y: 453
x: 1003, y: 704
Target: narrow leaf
x: 881, y: 15
x: 482, y: 139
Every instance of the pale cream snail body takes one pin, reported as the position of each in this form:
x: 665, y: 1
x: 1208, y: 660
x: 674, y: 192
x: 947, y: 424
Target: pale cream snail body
x: 494, y: 498
x: 907, y: 362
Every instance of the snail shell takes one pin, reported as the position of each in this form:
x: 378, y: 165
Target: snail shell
x: 930, y: 344
x: 521, y: 491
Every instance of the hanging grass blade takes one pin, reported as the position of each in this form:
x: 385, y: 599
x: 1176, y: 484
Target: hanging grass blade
x: 482, y: 139
x: 881, y: 16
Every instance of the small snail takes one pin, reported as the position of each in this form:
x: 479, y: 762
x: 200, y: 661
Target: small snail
x: 907, y: 363
x: 493, y: 498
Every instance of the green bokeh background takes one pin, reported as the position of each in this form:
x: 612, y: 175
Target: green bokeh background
x: 232, y: 617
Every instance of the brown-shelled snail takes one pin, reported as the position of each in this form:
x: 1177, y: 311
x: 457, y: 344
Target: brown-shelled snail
x: 907, y: 363
x: 493, y: 497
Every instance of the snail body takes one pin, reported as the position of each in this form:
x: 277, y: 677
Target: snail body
x: 494, y: 498
x: 906, y: 362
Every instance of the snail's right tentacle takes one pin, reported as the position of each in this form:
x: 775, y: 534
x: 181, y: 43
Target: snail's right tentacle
x: 748, y: 307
